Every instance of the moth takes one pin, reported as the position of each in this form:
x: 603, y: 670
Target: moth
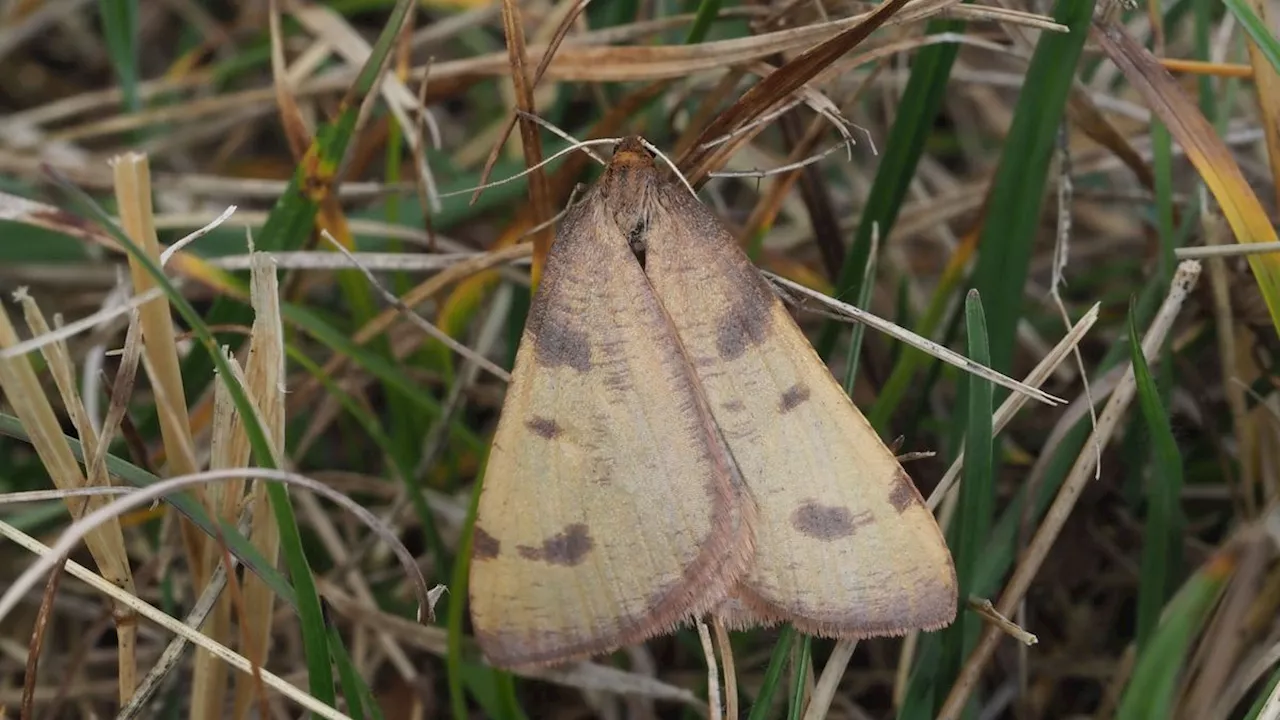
x: 671, y: 445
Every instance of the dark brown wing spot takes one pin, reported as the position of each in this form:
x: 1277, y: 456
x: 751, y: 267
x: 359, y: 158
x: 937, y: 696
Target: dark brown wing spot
x: 794, y: 396
x: 734, y: 406
x: 743, y: 327
x: 827, y: 522
x: 558, y: 343
x: 543, y: 427
x: 904, y: 493
x: 483, y: 545
x: 746, y: 322
x: 567, y: 547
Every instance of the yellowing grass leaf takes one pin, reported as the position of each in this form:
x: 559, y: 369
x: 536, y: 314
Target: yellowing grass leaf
x: 1206, y: 151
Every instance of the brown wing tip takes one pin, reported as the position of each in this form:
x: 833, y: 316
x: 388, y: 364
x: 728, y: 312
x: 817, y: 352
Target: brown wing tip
x: 720, y: 566
x: 932, y: 608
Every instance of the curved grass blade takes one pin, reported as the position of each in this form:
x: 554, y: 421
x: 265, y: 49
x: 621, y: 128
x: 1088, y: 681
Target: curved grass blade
x: 1258, y: 31
x: 1206, y: 151
x: 1153, y: 687
x: 237, y: 544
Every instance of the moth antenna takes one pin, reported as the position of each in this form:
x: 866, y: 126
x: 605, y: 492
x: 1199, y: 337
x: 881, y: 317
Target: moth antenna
x: 581, y: 144
x: 654, y: 149
x: 763, y: 119
x: 784, y: 168
x: 417, y: 319
x: 573, y: 195
x: 829, y: 112
x: 555, y: 130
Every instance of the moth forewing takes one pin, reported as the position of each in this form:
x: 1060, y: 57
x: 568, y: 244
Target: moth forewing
x: 844, y: 544
x: 610, y: 510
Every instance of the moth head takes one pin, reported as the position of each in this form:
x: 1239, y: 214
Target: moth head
x: 626, y: 188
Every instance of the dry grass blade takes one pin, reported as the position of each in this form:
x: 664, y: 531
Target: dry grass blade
x: 897, y: 332
x: 89, y: 322
x: 418, y: 320
x: 983, y: 607
x: 62, y: 368
x: 427, y: 289
x: 1227, y: 634
x: 209, y: 677
x: 730, y: 671
x: 1081, y: 472
x: 327, y: 24
x: 227, y: 449
x: 36, y: 644
x: 1205, y: 150
x: 714, y: 709
x: 1266, y: 86
x: 699, y: 160
x: 106, y: 544
x: 133, y: 189
x: 829, y: 682
x: 291, y: 118
x: 132, y: 498
x: 159, y: 617
x: 531, y: 143
x: 561, y: 31
x: 1012, y: 404
x: 264, y: 383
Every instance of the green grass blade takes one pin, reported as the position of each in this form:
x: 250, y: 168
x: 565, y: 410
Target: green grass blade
x: 378, y: 366
x: 859, y: 330
x: 977, y: 492
x: 120, y: 30
x: 1155, y: 681
x: 773, y: 674
x: 1256, y: 709
x: 916, y: 112
x: 1162, y: 532
x: 707, y: 11
x: 359, y: 698
x: 403, y: 466
x: 1017, y: 190
x: 910, y: 360
x: 796, y: 704
x: 1258, y: 31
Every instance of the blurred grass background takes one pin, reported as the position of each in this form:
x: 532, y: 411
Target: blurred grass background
x: 1016, y: 163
